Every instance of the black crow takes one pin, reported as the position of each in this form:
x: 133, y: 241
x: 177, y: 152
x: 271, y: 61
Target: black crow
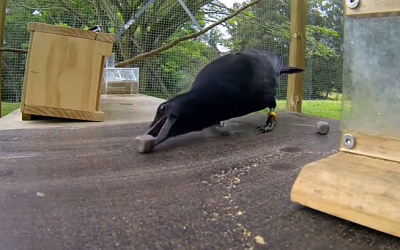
x: 230, y: 86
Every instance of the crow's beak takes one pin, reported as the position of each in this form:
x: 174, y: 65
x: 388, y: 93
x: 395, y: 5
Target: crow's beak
x: 161, y: 128
x: 156, y: 120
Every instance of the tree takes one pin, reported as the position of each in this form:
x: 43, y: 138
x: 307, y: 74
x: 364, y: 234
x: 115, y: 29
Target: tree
x: 15, y: 36
x: 267, y: 26
x: 162, y: 20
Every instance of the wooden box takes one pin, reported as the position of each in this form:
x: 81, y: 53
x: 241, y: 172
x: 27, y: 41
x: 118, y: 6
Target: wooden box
x: 63, y: 74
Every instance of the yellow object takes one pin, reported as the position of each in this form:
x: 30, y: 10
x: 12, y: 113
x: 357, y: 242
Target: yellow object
x: 272, y: 115
x: 64, y: 70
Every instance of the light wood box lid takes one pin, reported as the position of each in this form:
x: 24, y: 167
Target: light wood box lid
x: 71, y: 32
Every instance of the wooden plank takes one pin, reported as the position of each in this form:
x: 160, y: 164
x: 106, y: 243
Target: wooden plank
x: 103, y: 62
x: 69, y: 31
x: 374, y: 8
x: 104, y: 49
x: 23, y: 96
x: 63, y: 113
x: 64, y: 72
x: 356, y: 188
x: 2, y: 25
x: 64, y: 31
x: 297, y: 53
x: 105, y: 37
x: 373, y: 145
x: 26, y: 117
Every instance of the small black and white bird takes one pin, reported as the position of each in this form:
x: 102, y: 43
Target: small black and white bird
x: 230, y: 86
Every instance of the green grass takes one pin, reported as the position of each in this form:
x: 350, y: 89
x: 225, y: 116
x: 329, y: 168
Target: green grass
x: 324, y: 108
x: 8, y: 107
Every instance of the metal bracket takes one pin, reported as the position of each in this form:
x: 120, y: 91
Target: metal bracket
x: 133, y: 17
x: 96, y: 28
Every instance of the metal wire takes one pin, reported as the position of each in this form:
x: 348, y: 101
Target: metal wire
x: 264, y: 26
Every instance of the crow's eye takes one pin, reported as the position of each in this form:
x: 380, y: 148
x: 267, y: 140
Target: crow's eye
x: 162, y: 108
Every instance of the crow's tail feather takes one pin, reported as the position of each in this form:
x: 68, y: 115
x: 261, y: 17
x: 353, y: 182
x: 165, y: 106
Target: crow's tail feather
x: 290, y: 70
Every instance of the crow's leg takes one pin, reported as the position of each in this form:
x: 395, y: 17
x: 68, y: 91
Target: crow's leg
x: 217, y: 128
x: 219, y: 124
x: 270, y: 124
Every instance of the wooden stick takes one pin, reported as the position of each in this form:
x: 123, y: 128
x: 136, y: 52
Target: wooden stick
x: 184, y: 38
x: 297, y: 52
x: 14, y: 50
x: 2, y: 25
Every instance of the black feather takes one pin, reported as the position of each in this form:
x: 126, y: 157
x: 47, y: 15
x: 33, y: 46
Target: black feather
x: 230, y: 86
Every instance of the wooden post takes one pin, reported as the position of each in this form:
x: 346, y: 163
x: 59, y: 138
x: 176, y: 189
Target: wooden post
x: 297, y: 54
x: 2, y: 24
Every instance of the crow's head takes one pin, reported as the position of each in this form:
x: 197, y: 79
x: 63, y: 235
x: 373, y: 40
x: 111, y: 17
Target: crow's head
x: 179, y: 115
x: 164, y: 122
x: 170, y: 118
x: 162, y: 111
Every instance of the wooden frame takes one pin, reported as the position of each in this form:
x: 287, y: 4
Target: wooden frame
x: 373, y: 8
x: 380, y: 147
x: 63, y: 74
x: 361, y: 183
x: 297, y: 53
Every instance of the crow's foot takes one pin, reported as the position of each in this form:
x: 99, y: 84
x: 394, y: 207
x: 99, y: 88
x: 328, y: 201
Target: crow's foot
x: 266, y: 128
x: 219, y: 124
x: 270, y: 124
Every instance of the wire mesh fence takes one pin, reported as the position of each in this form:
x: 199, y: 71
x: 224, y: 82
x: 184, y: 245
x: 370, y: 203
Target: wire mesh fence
x: 264, y: 26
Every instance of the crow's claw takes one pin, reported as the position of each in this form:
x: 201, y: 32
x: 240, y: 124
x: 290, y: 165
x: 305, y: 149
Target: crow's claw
x: 268, y: 127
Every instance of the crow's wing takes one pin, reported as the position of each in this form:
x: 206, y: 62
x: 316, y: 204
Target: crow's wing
x: 237, y: 84
x: 241, y: 75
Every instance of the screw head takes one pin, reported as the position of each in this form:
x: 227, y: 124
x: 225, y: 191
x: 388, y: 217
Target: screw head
x: 352, y: 3
x: 348, y: 141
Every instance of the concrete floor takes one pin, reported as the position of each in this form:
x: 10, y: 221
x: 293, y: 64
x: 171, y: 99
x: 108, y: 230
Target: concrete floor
x: 87, y: 188
x: 118, y: 109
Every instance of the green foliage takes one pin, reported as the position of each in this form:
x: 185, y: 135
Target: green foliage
x: 7, y: 107
x: 324, y: 108
x: 272, y: 31
x: 317, y: 41
x: 181, y: 64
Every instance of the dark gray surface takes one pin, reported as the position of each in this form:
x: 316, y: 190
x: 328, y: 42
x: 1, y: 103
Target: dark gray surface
x: 99, y: 193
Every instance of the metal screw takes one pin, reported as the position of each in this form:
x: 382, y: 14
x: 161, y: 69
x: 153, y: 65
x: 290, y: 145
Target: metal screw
x: 352, y: 3
x: 348, y: 141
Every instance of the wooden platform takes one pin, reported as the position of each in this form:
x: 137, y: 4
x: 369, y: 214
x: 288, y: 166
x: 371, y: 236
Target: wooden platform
x: 118, y: 109
x: 357, y: 188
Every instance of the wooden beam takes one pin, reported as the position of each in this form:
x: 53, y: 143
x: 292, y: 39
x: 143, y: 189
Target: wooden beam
x: 356, y: 188
x: 297, y: 54
x: 2, y: 24
x: 24, y: 51
x: 373, y: 8
x: 70, y: 32
x: 377, y: 146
